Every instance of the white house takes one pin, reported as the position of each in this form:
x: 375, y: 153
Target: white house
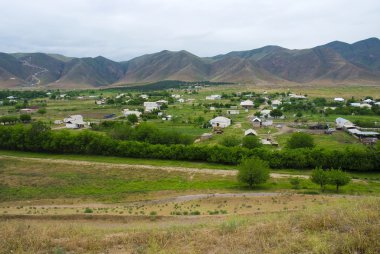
x: 296, y: 96
x: 150, y: 106
x: 233, y: 112
x: 250, y: 132
x: 144, y: 96
x: 276, y: 103
x: 377, y: 103
x: 74, y: 122
x: 100, y: 102
x: 246, y: 104
x: 256, y: 122
x: 214, y: 97
x: 181, y: 100
x: 161, y: 102
x: 355, y: 104
x: 212, y: 108
x: 265, y: 113
x: 58, y: 122
x: 368, y: 101
x: 128, y: 112
x: 339, y: 99
x: 176, y: 96
x: 220, y: 121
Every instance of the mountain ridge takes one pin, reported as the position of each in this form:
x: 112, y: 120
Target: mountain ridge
x: 333, y: 62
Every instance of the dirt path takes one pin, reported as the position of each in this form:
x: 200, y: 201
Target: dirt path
x: 220, y: 172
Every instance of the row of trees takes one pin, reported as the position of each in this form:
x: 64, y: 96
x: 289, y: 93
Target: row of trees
x: 25, y: 118
x: 39, y: 138
x: 255, y: 171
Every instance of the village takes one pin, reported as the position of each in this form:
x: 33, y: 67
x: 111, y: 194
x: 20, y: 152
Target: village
x: 208, y: 118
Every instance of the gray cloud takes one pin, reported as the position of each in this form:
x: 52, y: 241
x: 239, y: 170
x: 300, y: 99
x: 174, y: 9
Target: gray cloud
x: 122, y: 29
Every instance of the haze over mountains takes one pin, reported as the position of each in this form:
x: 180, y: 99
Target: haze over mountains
x: 333, y: 62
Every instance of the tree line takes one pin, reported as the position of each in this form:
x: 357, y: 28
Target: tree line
x: 37, y: 137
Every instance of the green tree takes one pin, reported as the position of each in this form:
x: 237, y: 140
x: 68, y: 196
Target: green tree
x: 253, y: 171
x: 132, y: 118
x: 320, y: 177
x: 276, y: 113
x: 300, y: 140
x: 251, y: 142
x: 299, y: 114
x: 25, y: 118
x: 41, y: 111
x: 295, y: 182
x: 230, y: 141
x: 338, y: 178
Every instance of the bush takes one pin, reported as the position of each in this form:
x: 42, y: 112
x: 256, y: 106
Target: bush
x: 300, y: 140
x: 25, y: 118
x: 295, y: 182
x: 88, y: 210
x: 253, y: 171
x: 251, y: 142
x: 230, y: 141
x: 338, y: 178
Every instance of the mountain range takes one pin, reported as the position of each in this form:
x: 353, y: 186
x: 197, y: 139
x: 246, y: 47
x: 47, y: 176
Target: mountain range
x: 335, y: 62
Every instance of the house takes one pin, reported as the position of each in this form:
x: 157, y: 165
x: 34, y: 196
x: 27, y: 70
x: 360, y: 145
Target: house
x: 265, y: 113
x: 250, y: 132
x: 267, y: 123
x: 144, y: 96
x: 161, y: 102
x: 338, y: 99
x: 176, y: 96
x: 341, y: 123
x: 296, y: 96
x: 368, y: 101
x: 355, y: 104
x: 363, y: 134
x: 150, y: 106
x: 265, y: 142
x: 74, y: 122
x: 11, y: 97
x: 276, y: 103
x: 181, y: 100
x: 57, y: 122
x: 247, y: 104
x: 127, y: 112
x: 120, y: 96
x: 220, y: 121
x: 212, y: 108
x: 256, y: 122
x: 377, y: 103
x: 233, y: 112
x: 214, y: 97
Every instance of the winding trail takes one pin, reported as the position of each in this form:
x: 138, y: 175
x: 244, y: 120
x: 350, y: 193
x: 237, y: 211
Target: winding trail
x: 34, y: 77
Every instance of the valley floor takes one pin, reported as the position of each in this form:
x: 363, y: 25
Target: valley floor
x: 63, y: 204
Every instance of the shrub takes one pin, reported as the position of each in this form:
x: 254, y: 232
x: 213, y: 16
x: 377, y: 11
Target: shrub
x: 300, y: 140
x: 251, y: 142
x: 230, y: 141
x: 253, y: 171
x: 295, y: 182
x: 88, y: 210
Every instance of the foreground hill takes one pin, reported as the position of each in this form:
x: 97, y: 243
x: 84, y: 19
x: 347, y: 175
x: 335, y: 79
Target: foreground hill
x: 333, y: 62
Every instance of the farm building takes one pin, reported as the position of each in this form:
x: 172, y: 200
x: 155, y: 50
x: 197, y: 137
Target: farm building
x: 256, y: 122
x: 220, y: 121
x: 296, y: 96
x: 276, y: 103
x: 74, y: 122
x: 181, y: 100
x: 265, y: 113
x: 267, y: 123
x: 363, y: 134
x: 233, y: 112
x: 341, y: 123
x: 247, y: 104
x: 214, y: 97
x: 250, y: 132
x: 144, y: 96
x: 127, y: 112
x: 161, y: 102
x: 339, y: 99
x: 368, y: 101
x: 57, y: 122
x: 176, y: 96
x: 150, y: 106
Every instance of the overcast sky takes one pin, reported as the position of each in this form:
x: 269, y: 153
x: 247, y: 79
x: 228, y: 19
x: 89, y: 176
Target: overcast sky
x: 123, y: 29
